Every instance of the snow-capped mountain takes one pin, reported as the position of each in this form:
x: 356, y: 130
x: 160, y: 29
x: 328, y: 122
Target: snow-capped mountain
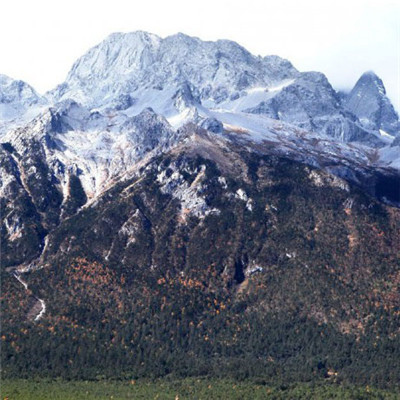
x: 180, y: 191
x: 136, y: 95
x: 137, y: 70
x: 369, y: 103
x: 140, y: 64
x: 18, y: 101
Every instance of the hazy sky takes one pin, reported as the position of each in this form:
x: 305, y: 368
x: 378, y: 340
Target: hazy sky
x: 39, y: 40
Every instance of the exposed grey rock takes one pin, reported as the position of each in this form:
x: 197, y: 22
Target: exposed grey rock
x: 184, y: 97
x: 396, y: 141
x: 212, y: 125
x: 368, y: 101
x: 100, y: 125
x: 122, y: 102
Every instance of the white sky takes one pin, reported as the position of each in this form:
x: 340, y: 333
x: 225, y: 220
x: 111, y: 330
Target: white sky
x: 40, y: 39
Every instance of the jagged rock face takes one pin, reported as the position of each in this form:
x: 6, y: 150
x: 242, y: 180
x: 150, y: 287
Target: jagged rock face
x: 208, y: 203
x: 56, y: 190
x: 307, y: 97
x: 70, y: 154
x: 52, y: 166
x: 368, y: 101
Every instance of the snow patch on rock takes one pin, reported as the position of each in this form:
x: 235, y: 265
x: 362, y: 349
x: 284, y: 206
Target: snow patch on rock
x: 320, y: 178
x: 190, y: 196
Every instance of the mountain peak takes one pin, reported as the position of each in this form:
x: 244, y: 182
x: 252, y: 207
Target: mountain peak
x: 16, y: 98
x: 121, y: 51
x: 368, y: 102
x: 132, y: 39
x: 372, y: 79
x: 370, y: 74
x: 13, y: 90
x: 129, y: 63
x: 182, y: 37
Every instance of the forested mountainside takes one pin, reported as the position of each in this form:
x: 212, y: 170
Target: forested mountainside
x: 214, y: 259
x: 201, y: 237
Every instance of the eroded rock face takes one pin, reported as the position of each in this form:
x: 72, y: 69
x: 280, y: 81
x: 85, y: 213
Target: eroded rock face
x: 184, y: 79
x: 201, y: 183
x: 190, y: 193
x: 52, y: 166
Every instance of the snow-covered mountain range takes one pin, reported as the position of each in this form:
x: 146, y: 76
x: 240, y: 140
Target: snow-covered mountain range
x: 135, y: 95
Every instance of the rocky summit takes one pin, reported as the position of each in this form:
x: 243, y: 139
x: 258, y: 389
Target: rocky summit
x: 182, y: 207
x: 369, y: 103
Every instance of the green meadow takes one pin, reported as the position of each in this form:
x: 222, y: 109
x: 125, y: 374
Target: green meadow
x: 20, y: 389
